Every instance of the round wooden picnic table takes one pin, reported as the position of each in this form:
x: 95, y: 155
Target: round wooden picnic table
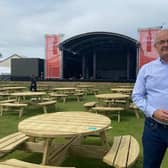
x: 67, y: 90
x: 114, y: 97
x: 20, y: 95
x: 111, y: 96
x: 63, y: 124
x: 86, y: 88
x: 122, y: 90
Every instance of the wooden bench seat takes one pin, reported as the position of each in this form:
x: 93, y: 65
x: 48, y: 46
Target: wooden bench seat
x: 109, y: 102
x: 10, y: 142
x: 69, y: 93
x: 15, y: 163
x: 89, y: 105
x: 123, y: 153
x: 95, y: 91
x: 119, y: 102
x: 78, y: 96
x: 6, y: 106
x: 7, y: 101
x: 79, y: 91
x: 58, y: 96
x: 45, y: 104
x: 114, y: 110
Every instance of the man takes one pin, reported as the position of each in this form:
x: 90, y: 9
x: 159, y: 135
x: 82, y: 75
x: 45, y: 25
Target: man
x: 33, y: 84
x: 150, y: 94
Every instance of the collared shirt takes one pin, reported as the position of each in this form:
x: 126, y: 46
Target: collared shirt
x: 151, y: 88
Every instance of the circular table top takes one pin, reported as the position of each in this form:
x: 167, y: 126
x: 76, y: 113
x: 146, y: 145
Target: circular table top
x: 28, y: 93
x: 122, y: 89
x: 64, y: 88
x: 64, y: 124
x: 112, y: 96
x: 12, y: 88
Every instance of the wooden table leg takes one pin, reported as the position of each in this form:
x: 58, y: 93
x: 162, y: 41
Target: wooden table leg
x: 46, y: 151
x: 104, y: 139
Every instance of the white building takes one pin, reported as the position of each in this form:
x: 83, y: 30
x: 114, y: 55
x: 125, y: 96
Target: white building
x: 5, y: 64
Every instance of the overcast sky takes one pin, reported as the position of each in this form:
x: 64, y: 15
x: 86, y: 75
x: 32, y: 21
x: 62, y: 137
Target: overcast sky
x: 24, y: 23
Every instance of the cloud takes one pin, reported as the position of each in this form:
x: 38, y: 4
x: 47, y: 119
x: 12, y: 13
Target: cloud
x: 25, y: 23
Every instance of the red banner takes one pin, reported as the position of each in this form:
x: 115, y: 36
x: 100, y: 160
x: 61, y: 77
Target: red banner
x: 52, y: 62
x: 147, y: 50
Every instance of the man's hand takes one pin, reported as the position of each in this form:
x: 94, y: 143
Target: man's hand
x: 161, y: 115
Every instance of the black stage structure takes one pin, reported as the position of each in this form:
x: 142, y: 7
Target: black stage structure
x: 99, y: 56
x: 23, y: 68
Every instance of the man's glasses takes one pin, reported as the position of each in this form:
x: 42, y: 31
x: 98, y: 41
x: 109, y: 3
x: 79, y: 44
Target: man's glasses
x: 162, y: 42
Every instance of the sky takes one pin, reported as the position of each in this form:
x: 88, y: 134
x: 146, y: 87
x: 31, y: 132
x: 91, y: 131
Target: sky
x: 24, y: 23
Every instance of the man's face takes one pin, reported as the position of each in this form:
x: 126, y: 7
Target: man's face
x: 161, y: 44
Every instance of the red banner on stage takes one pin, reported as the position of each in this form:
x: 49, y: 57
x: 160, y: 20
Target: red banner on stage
x: 147, y: 50
x: 52, y: 62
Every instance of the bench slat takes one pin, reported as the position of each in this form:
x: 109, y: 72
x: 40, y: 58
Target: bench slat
x: 14, y: 163
x: 14, y: 104
x: 108, y: 109
x: 109, y: 158
x: 90, y: 104
x: 47, y: 103
x: 122, y: 155
x: 8, y: 101
x: 134, y: 151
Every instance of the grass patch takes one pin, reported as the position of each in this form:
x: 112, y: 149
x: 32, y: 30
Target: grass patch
x: 128, y: 125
